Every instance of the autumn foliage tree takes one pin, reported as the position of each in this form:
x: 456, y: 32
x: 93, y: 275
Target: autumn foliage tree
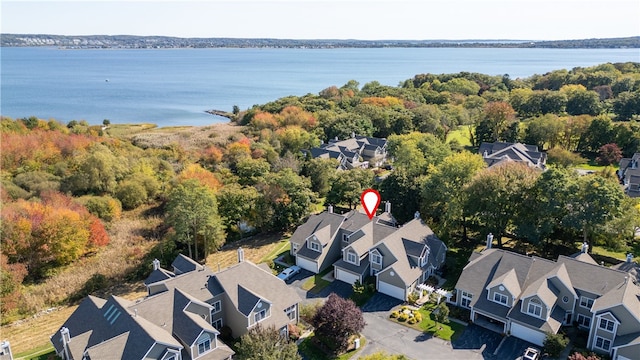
x: 337, y: 320
x: 609, y: 154
x: 53, y: 231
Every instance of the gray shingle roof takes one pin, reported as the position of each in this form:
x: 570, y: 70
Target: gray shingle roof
x: 533, y: 275
x: 158, y: 275
x: 498, y: 152
x: 508, y: 280
x: 626, y: 293
x: 246, y: 300
x: 315, y: 223
x: 411, y: 238
x: 184, y: 264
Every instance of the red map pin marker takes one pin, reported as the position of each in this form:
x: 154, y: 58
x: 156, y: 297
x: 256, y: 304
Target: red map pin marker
x: 370, y: 200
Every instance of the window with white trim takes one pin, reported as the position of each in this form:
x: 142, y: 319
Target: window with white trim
x: 376, y: 258
x: 583, y: 320
x: 352, y: 258
x: 500, y: 298
x: 586, y: 302
x: 217, y: 306
x: 534, y: 308
x: 424, y: 259
x: 217, y: 324
x: 291, y: 312
x: 260, y: 315
x: 204, y: 345
x: 465, y: 300
x: 314, y: 246
x: 607, y: 325
x: 602, y: 343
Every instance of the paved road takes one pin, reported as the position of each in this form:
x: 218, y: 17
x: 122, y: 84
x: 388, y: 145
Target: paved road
x: 382, y: 334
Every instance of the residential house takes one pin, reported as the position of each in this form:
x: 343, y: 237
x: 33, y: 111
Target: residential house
x: 5, y: 351
x: 182, y: 316
x: 629, y: 175
x: 357, y: 151
x: 500, y: 152
x: 528, y: 297
x: 357, y: 247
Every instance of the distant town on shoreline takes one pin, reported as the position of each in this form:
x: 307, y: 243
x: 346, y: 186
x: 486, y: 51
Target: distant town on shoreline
x: 153, y: 42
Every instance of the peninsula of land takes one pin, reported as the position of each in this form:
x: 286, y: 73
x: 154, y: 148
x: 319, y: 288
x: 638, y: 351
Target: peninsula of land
x: 159, y: 42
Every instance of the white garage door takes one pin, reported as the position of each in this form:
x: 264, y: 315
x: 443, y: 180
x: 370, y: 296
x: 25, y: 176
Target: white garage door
x: 394, y: 291
x: 345, y: 276
x: 527, y: 334
x: 307, y: 264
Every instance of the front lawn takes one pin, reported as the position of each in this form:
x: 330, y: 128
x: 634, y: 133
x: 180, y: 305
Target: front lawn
x: 316, y: 283
x: 311, y: 351
x: 427, y: 324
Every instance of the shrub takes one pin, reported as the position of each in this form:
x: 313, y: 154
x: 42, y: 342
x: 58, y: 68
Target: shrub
x: 403, y: 317
x: 394, y: 314
x: 583, y: 356
x: 308, y: 311
x: 104, y: 207
x: 131, y: 194
x: 418, y: 316
x: 412, y: 321
x: 554, y: 344
x: 413, y: 298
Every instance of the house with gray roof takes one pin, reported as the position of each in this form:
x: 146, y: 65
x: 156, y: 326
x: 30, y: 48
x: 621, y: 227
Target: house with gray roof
x: 357, y: 247
x: 182, y: 316
x: 357, y: 151
x: 528, y: 297
x: 629, y: 175
x: 500, y: 152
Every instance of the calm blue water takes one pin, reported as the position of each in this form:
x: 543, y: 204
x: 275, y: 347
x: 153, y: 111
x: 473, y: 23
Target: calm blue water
x: 175, y: 86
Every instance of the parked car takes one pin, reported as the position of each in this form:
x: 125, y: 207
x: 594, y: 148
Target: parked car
x: 531, y: 354
x: 288, y: 273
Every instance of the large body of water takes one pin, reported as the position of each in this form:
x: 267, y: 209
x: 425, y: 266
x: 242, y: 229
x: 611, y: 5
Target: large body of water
x: 173, y: 87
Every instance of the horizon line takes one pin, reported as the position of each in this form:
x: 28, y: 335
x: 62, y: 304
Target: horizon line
x: 326, y: 39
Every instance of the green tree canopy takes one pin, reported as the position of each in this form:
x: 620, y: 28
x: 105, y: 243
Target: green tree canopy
x: 192, y: 211
x: 262, y: 343
x: 443, y: 195
x: 495, y: 194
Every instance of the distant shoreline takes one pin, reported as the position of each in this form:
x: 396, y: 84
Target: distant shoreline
x: 164, y: 42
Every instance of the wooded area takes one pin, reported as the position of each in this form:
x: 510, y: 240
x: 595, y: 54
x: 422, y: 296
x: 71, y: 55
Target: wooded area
x: 65, y: 187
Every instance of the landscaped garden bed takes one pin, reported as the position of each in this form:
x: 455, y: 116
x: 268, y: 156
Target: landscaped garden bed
x: 424, y: 319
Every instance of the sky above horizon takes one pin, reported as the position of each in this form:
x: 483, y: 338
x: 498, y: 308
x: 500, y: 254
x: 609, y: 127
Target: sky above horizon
x: 328, y: 19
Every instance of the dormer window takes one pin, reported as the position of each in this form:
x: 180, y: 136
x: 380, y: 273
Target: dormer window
x: 314, y: 246
x: 260, y: 315
x: 204, y: 345
x: 345, y: 237
x: 352, y: 257
x: 535, y: 308
x: 607, y: 325
x: 586, y: 302
x: 500, y: 298
x: 424, y: 260
x: 376, y: 258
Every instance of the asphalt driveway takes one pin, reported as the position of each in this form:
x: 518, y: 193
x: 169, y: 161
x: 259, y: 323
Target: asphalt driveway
x: 496, y: 346
x: 393, y: 338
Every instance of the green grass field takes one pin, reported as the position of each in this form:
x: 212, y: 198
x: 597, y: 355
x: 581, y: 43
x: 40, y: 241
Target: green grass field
x: 461, y: 135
